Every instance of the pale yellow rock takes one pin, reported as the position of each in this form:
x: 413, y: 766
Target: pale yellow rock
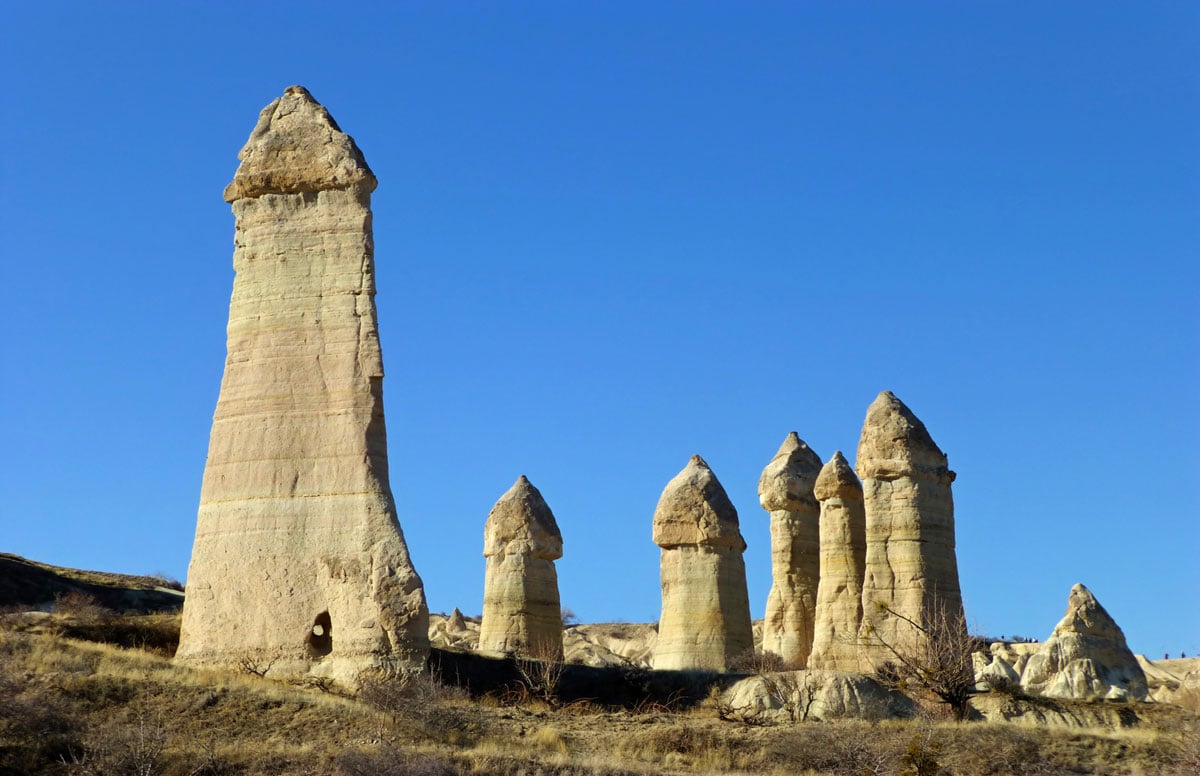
x: 843, y: 562
x: 705, y: 620
x: 1085, y: 658
x: 812, y: 695
x: 911, y: 567
x: 299, y: 562
x: 521, y: 611
x: 785, y: 490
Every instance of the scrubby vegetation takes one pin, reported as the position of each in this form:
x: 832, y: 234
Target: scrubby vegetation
x: 86, y: 692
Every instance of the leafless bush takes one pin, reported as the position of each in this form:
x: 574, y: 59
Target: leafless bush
x: 541, y: 670
x: 425, y: 705
x: 844, y: 748
x: 82, y: 607
x: 120, y: 749
x: 254, y: 665
x: 753, y: 662
x: 935, y: 655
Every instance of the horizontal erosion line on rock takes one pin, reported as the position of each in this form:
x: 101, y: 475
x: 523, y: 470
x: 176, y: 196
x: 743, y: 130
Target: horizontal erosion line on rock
x: 278, y: 497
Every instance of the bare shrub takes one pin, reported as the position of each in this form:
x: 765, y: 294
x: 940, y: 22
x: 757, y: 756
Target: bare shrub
x: 120, y: 749
x: 254, y: 665
x: 935, y: 655
x: 541, y: 670
x: 921, y: 756
x: 426, y: 706
x: 843, y: 748
x: 82, y: 607
x: 752, y: 662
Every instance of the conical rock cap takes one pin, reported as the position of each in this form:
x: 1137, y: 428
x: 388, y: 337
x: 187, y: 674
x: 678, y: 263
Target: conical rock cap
x: 837, y: 479
x: 1086, y: 616
x: 895, y: 443
x: 787, y: 481
x: 694, y: 509
x: 297, y: 147
x: 521, y: 522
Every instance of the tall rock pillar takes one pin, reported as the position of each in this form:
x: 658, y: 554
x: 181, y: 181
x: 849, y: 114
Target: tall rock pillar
x: 521, y: 611
x: 911, y: 567
x: 705, y: 606
x: 785, y: 490
x: 843, y: 558
x: 299, y: 562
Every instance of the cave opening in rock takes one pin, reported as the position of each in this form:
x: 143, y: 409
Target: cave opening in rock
x: 320, y: 636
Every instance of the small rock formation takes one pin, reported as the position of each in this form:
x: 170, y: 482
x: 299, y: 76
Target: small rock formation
x: 812, y: 695
x: 1085, y: 658
x: 843, y: 560
x: 911, y: 567
x: 299, y: 563
x: 456, y: 622
x: 521, y: 612
x: 705, y: 606
x: 785, y: 490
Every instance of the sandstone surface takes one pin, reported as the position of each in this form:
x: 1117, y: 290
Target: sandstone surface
x: 521, y: 611
x: 911, y: 568
x: 812, y: 695
x: 785, y: 490
x: 1085, y: 658
x: 705, y: 620
x: 299, y: 563
x: 843, y: 561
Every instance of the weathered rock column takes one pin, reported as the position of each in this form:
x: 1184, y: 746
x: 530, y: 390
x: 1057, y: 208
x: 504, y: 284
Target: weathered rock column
x: 911, y: 567
x: 843, y: 559
x: 521, y: 611
x: 706, y: 609
x: 299, y: 562
x: 785, y: 490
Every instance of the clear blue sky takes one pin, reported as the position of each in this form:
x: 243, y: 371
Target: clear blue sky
x: 613, y: 234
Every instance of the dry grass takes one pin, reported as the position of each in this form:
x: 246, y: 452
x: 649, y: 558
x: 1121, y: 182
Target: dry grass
x: 77, y: 708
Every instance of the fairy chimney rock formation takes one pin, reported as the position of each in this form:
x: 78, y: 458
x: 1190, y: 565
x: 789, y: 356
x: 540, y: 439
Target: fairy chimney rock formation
x: 521, y: 612
x: 785, y: 490
x: 1085, y: 658
x: 843, y: 559
x: 911, y: 568
x: 705, y: 606
x: 299, y: 562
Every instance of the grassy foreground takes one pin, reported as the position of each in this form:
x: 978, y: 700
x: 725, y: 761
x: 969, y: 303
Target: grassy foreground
x: 74, y: 706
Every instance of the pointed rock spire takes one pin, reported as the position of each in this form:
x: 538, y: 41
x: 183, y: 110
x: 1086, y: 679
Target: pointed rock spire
x: 705, y: 620
x: 1086, y: 657
x: 521, y: 611
x: 299, y: 560
x: 456, y: 622
x: 911, y: 569
x: 298, y: 147
x: 785, y: 490
x: 843, y: 562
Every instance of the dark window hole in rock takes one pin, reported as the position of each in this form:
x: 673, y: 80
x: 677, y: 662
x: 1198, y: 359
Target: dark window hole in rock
x: 320, y: 637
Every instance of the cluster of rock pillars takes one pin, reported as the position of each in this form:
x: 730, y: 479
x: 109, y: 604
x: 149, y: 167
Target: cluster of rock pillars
x: 299, y: 562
